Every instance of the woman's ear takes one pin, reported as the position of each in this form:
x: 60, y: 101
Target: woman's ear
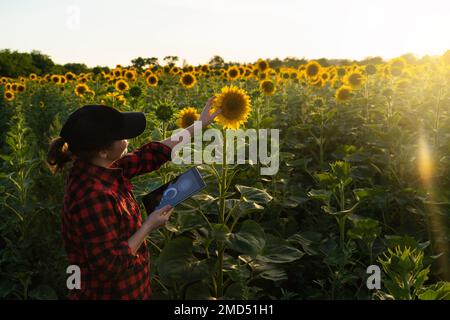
x: 103, y: 154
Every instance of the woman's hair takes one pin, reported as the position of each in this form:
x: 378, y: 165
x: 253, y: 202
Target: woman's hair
x: 59, y: 154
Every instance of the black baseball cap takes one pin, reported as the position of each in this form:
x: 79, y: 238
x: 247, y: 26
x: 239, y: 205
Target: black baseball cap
x: 93, y: 126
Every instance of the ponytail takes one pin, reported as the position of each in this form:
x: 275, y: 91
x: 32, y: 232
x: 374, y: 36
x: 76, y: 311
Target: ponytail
x: 58, y: 155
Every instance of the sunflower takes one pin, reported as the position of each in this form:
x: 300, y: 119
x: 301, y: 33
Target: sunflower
x: 354, y: 79
x: 267, y: 87
x: 130, y: 75
x: 262, y: 65
x: 175, y: 70
x: 396, y: 71
x: 20, y: 87
x: 33, y: 76
x: 317, y: 82
x: 188, y: 80
x: 235, y: 106
x: 147, y: 73
x: 9, y: 95
x: 70, y: 76
x: 81, y: 89
x: 122, y: 85
x: 262, y: 76
x: 325, y: 76
x: 187, y: 116
x: 117, y: 72
x: 164, y: 110
x: 312, y: 69
x: 205, y: 68
x: 371, y: 69
x: 343, y: 93
x: 398, y: 63
x: 152, y: 80
x: 55, y: 79
x: 233, y: 73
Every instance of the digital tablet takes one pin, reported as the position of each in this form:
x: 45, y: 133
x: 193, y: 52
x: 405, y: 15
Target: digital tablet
x: 175, y: 191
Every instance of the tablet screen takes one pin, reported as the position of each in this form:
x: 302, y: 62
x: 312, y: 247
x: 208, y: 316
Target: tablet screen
x: 174, y: 192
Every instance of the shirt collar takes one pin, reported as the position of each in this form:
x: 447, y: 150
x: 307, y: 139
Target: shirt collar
x: 107, y: 174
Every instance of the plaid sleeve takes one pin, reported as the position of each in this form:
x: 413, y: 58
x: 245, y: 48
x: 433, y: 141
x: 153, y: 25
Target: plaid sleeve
x: 97, y: 225
x: 149, y: 157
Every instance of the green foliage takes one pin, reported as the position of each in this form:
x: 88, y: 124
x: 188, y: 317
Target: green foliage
x: 349, y: 188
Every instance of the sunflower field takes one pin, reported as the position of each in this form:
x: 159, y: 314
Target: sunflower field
x: 363, y: 179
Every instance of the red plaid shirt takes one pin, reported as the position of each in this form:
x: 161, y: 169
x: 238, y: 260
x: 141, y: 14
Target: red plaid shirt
x: 99, y: 215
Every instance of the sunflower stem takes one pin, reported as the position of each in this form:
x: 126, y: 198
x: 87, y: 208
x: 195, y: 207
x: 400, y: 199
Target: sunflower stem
x: 222, y: 195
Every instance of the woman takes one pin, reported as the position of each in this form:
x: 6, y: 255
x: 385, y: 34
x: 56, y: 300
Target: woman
x: 102, y: 226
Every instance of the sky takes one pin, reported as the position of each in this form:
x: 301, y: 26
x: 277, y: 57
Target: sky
x: 110, y: 32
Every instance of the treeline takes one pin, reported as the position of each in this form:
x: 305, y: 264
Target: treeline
x: 14, y: 63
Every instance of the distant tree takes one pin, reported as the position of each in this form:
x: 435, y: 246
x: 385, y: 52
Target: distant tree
x: 293, y: 62
x: 275, y: 63
x: 371, y: 60
x: 410, y: 58
x: 138, y: 63
x: 171, y: 60
x: 98, y: 69
x: 75, y: 68
x: 152, y: 61
x: 42, y: 62
x: 14, y: 64
x: 217, y: 62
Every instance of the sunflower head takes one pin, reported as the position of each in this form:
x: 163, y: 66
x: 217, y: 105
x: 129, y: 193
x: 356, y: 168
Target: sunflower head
x: 312, y: 69
x: 20, y: 87
x: 175, y: 70
x: 267, y: 87
x: 152, y: 80
x: 396, y: 71
x: 81, y: 89
x: 9, y: 95
x: 205, y: 68
x: 398, y: 63
x: 262, y: 65
x: 188, y: 80
x: 371, y: 69
x: 130, y: 75
x: 164, y: 110
x: 233, y: 73
x: 317, y: 82
x: 343, y: 93
x: 235, y: 106
x: 187, y: 116
x: 70, y: 76
x: 354, y: 79
x: 117, y: 72
x: 55, y: 79
x: 135, y: 91
x: 122, y: 85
